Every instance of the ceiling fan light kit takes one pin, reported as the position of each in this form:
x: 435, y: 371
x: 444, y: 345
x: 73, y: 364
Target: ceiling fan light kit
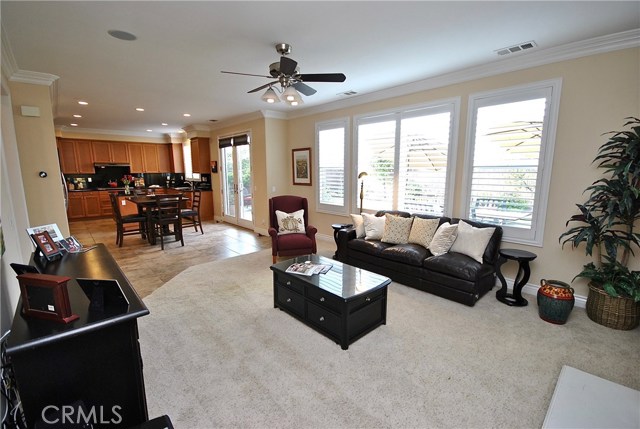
x: 291, y: 81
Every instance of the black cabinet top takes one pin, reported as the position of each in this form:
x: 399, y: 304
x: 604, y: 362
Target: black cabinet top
x: 342, y: 280
x: 29, y: 333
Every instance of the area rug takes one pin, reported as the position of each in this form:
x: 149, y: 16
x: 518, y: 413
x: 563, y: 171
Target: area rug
x: 217, y: 354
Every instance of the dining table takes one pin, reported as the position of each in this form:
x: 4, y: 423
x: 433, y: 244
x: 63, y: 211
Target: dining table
x: 146, y: 205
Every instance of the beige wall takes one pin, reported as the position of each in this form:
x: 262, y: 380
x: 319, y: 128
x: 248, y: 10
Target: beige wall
x: 598, y: 92
x: 38, y: 152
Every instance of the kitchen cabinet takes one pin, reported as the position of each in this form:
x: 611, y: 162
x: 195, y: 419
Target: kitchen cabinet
x: 105, y: 204
x: 177, y: 158
x: 200, y: 155
x: 164, y: 158
x: 136, y: 157
x: 110, y: 152
x: 84, y: 204
x: 76, y: 156
x: 150, y: 158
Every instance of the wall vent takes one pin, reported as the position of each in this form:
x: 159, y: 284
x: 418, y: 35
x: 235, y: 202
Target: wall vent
x: 516, y: 48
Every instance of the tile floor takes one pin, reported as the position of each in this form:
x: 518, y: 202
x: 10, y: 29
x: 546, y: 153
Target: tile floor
x: 148, y: 267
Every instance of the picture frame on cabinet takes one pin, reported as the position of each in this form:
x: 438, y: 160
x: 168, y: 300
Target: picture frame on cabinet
x: 46, y: 246
x: 301, y: 165
x: 45, y: 296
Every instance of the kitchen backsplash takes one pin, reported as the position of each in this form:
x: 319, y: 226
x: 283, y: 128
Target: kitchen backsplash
x: 115, y: 173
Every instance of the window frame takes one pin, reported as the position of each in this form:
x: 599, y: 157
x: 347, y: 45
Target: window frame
x: 451, y: 105
x: 345, y: 124
x: 551, y: 90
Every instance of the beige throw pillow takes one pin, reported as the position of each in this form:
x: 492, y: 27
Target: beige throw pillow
x: 443, y: 239
x: 358, y: 224
x: 472, y: 241
x: 396, y: 229
x: 422, y: 231
x: 373, y: 226
x: 290, y: 223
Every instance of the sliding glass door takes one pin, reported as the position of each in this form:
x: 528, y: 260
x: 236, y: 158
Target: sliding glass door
x: 236, y: 180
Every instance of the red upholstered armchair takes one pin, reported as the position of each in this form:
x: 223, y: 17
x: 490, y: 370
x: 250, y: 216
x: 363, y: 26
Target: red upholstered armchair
x: 292, y: 244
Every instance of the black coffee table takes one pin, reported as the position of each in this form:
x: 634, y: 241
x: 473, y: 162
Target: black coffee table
x: 343, y: 304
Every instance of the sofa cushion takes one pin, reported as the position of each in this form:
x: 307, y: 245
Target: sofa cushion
x: 290, y: 223
x: 371, y: 247
x: 396, y: 229
x: 373, y: 226
x: 471, y: 241
x: 443, y: 239
x: 412, y: 254
x: 422, y: 231
x: 457, y: 265
x: 358, y: 224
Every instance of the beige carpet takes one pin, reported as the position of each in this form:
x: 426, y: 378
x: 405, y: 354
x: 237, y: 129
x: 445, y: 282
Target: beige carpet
x: 217, y: 354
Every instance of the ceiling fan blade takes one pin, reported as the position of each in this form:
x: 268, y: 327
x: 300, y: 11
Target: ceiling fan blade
x: 304, y: 88
x: 247, y: 74
x: 323, y: 77
x: 287, y: 66
x: 262, y: 87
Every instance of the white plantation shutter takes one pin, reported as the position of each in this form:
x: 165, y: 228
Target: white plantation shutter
x: 511, y: 142
x: 331, y: 147
x: 406, y: 157
x: 423, y: 163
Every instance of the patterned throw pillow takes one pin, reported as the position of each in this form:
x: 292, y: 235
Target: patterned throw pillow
x: 290, y: 223
x: 358, y: 224
x: 472, y: 241
x: 373, y: 226
x: 422, y: 231
x: 396, y: 229
x: 443, y: 239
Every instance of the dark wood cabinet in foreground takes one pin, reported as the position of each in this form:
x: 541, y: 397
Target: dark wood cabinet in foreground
x: 95, y: 359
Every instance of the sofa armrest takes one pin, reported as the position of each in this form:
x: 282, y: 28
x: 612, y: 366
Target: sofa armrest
x: 343, y: 236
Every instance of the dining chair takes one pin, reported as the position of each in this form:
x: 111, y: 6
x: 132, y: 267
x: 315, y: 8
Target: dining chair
x: 191, y: 216
x: 168, y: 212
x: 139, y: 221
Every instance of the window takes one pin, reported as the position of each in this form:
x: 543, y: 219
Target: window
x: 186, y: 152
x: 511, y: 136
x: 408, y: 158
x: 331, y: 149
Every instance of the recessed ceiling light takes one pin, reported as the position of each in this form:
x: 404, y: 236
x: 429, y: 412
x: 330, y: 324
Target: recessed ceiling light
x: 139, y: 109
x: 164, y: 124
x: 122, y: 35
x: 186, y: 115
x: 84, y: 103
x: 77, y: 116
x: 150, y: 131
x: 74, y: 125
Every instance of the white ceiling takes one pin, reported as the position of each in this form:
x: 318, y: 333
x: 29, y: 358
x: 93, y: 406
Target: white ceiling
x: 174, y: 65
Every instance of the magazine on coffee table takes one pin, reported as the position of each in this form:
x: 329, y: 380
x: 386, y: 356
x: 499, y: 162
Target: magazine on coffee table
x: 308, y: 268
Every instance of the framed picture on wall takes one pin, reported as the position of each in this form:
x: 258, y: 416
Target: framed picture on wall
x: 301, y: 164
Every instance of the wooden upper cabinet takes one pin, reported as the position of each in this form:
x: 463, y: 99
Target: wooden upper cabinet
x: 177, y: 158
x: 136, y: 158
x: 110, y: 152
x: 200, y: 155
x: 150, y: 157
x: 76, y: 156
x: 164, y: 158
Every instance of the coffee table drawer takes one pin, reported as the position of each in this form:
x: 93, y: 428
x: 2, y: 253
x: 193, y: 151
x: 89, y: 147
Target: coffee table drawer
x: 323, y: 319
x: 290, y: 300
x: 325, y: 299
x: 364, y: 300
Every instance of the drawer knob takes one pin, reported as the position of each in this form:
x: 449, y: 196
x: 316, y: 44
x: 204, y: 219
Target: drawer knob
x: 288, y: 283
x: 288, y: 299
x: 322, y: 299
x: 322, y: 318
x: 367, y: 299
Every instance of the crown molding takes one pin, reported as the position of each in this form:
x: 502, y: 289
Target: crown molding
x: 524, y: 60
x: 260, y: 114
x: 62, y: 129
x: 9, y: 64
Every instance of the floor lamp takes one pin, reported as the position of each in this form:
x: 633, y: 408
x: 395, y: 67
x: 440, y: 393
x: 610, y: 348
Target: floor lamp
x: 361, y: 178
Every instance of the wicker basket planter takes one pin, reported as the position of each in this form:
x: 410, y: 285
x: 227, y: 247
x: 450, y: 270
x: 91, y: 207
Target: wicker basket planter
x: 613, y: 312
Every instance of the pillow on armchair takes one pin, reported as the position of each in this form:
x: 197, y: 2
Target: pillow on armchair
x: 290, y: 223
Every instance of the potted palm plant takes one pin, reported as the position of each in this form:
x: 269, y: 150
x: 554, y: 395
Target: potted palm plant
x: 605, y: 225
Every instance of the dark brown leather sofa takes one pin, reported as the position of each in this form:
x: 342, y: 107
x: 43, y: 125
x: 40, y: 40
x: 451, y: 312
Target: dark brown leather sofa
x: 452, y: 275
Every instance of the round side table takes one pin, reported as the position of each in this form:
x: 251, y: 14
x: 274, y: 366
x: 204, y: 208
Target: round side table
x: 337, y: 227
x: 523, y: 258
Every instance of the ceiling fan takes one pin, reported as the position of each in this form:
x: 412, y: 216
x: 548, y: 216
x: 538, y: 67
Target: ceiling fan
x: 287, y: 74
